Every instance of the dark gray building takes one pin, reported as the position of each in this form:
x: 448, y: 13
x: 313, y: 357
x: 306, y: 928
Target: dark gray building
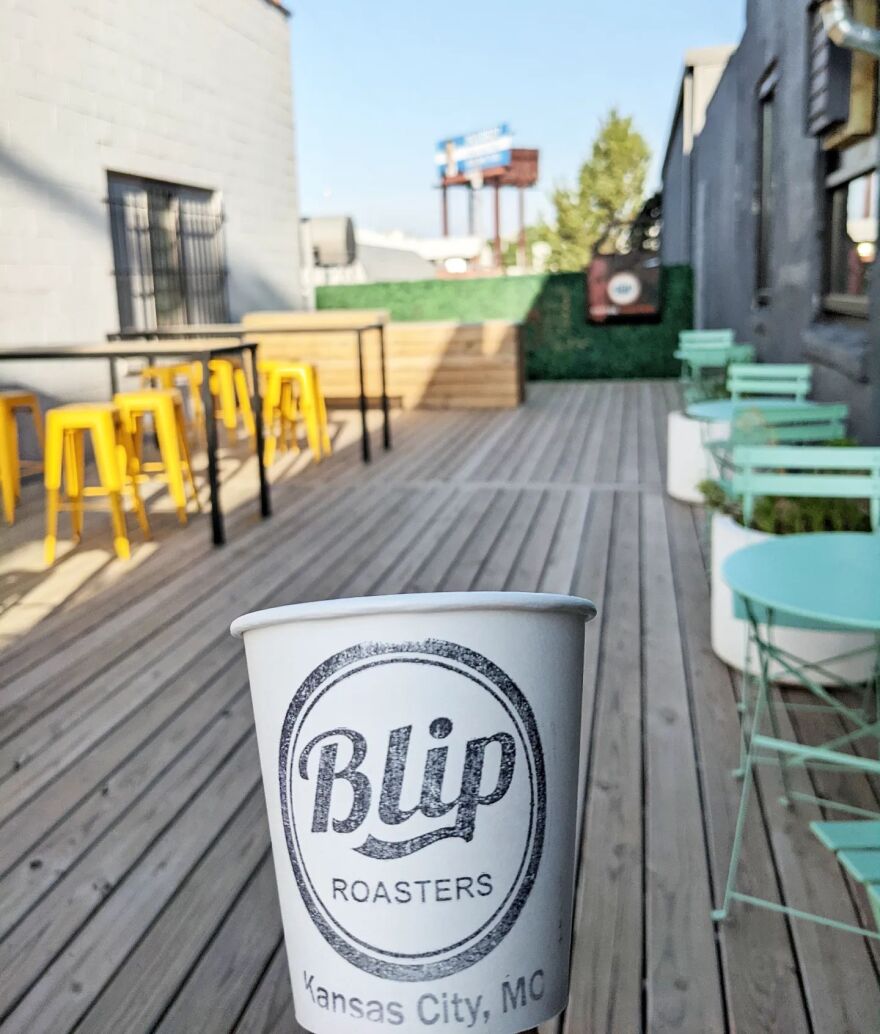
x: 779, y: 217
x: 702, y: 71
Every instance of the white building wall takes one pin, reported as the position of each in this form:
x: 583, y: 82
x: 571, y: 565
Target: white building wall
x: 196, y: 92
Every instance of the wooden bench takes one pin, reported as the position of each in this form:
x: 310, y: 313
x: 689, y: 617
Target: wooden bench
x: 434, y: 365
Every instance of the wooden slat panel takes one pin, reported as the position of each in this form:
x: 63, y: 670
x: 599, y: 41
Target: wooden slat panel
x: 429, y: 364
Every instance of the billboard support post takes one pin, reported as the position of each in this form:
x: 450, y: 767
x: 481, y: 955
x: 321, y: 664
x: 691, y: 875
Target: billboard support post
x: 522, y: 251
x: 486, y: 157
x: 496, y: 244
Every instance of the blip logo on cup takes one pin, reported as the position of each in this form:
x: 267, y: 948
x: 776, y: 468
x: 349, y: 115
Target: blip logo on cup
x: 414, y: 843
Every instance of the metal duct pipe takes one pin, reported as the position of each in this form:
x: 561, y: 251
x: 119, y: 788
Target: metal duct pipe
x: 842, y: 29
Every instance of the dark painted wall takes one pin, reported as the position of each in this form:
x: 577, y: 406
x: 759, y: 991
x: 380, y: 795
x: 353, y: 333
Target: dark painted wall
x: 791, y: 326
x: 675, y: 243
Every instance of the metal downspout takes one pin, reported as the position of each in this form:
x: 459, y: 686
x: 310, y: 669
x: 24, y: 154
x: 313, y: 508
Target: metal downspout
x: 842, y: 29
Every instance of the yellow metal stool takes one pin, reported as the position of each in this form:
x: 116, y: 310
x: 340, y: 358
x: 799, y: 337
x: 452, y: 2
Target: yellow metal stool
x: 170, y: 376
x: 11, y: 403
x: 279, y: 409
x: 280, y: 405
x: 66, y: 428
x: 229, y: 386
x: 165, y: 406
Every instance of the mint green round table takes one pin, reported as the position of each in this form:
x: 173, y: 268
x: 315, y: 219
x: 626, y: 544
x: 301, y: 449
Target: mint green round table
x: 712, y: 411
x: 817, y: 580
x: 832, y: 578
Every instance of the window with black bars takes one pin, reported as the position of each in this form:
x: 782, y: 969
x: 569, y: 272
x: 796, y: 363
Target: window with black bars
x: 168, y: 253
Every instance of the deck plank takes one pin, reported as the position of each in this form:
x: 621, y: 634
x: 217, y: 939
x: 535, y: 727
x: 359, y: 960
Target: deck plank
x: 136, y: 890
x: 78, y: 973
x: 680, y: 940
x: 839, y: 978
x: 856, y: 790
x: 270, y: 1008
x: 607, y: 461
x: 606, y: 988
x: 181, y: 939
x: 50, y: 744
x: 584, y: 470
x: 143, y: 794
x: 41, y: 689
x: 228, y: 971
x: 761, y: 976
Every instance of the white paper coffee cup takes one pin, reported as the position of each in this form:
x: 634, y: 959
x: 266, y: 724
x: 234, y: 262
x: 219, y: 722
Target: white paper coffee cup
x: 420, y: 763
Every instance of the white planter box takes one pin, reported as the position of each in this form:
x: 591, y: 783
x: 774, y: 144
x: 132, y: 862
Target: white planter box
x: 688, y: 463
x: 729, y: 632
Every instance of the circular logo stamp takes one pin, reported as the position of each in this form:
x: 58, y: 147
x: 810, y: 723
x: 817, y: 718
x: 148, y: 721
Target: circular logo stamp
x: 413, y: 800
x: 624, y: 288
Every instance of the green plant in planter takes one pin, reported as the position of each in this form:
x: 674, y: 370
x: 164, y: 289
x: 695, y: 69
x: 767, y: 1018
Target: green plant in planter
x: 715, y: 387
x: 709, y: 386
x: 786, y: 516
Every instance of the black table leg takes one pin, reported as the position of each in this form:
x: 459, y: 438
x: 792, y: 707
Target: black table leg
x: 151, y: 361
x: 218, y: 532
x: 386, y: 425
x: 257, y: 403
x: 114, y: 379
x: 365, y: 434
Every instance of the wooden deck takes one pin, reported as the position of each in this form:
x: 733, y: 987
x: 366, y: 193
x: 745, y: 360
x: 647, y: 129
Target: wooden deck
x: 136, y: 888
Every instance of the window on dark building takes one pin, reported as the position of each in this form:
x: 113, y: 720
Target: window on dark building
x: 851, y: 229
x: 168, y: 254
x: 764, y: 187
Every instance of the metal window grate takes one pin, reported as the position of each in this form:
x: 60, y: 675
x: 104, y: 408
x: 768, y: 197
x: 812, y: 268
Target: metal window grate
x: 168, y: 252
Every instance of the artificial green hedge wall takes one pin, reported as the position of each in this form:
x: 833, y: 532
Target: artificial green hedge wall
x: 559, y: 343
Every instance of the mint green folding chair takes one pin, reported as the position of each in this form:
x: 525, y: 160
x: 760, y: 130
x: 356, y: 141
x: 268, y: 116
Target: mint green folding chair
x: 855, y: 842
x: 803, y: 573
x: 769, y: 380
x: 806, y: 471
x: 704, y: 352
x: 786, y: 471
x: 787, y: 423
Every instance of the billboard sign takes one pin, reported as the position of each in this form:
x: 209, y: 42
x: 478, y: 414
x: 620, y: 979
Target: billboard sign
x: 621, y: 287
x: 473, y: 152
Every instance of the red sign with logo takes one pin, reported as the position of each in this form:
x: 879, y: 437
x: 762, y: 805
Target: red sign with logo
x: 621, y: 287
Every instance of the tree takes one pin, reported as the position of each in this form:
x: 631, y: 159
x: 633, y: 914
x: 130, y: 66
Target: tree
x: 510, y: 246
x: 610, y: 190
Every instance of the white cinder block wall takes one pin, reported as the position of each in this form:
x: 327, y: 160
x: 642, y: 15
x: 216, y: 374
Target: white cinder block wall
x: 196, y: 92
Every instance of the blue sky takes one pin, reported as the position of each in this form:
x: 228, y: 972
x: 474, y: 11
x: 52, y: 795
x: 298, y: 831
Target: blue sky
x: 376, y: 85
